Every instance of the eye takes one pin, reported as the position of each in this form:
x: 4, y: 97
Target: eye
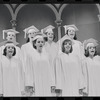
x: 12, y: 47
x: 38, y: 41
x: 69, y: 43
x: 65, y: 43
x: 8, y: 47
x: 42, y: 41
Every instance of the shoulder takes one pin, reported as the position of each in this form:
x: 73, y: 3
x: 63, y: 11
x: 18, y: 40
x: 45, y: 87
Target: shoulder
x: 97, y: 57
x: 24, y: 45
x: 55, y: 43
x: 17, y: 47
x: 78, y: 42
x: 46, y: 43
x: 3, y: 57
x: 60, y: 56
x: 45, y: 52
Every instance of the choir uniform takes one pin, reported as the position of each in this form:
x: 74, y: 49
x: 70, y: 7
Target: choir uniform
x: 69, y: 76
x: 39, y: 72
x: 51, y: 49
x: 93, y: 70
x: 11, y: 76
x: 27, y: 48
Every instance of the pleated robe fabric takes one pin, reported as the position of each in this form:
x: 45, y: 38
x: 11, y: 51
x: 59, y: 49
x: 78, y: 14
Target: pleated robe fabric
x: 93, y: 74
x: 39, y: 73
x: 52, y: 50
x: 26, y: 49
x: 78, y: 49
x: 11, y: 77
x: 69, y: 77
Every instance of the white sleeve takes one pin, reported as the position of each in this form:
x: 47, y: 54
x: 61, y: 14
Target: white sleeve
x: 58, y: 73
x: 29, y: 72
x: 23, y: 57
x: 85, y: 75
x: 22, y: 81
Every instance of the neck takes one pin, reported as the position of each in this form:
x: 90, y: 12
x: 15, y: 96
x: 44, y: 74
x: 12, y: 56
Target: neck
x: 9, y: 56
x: 31, y: 41
x: 72, y: 39
x: 91, y: 56
x: 39, y: 50
x: 67, y: 52
x: 49, y: 41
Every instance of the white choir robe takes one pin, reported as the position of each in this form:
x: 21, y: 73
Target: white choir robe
x: 78, y: 49
x: 39, y: 73
x: 93, y: 74
x: 52, y: 50
x: 11, y: 77
x: 26, y: 49
x: 69, y: 75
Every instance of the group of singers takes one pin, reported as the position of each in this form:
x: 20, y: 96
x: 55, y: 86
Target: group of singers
x: 42, y: 67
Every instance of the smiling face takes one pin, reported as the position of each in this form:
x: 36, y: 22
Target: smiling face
x: 10, y: 50
x: 11, y: 36
x: 92, y: 50
x: 71, y: 33
x: 39, y: 43
x: 67, y: 46
x: 50, y: 36
x: 31, y: 35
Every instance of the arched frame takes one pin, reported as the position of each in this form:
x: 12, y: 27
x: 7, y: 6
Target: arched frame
x: 57, y: 13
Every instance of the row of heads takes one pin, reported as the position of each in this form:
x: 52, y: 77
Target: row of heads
x: 49, y: 29
x: 66, y: 46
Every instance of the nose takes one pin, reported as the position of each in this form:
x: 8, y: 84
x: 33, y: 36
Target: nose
x: 10, y: 48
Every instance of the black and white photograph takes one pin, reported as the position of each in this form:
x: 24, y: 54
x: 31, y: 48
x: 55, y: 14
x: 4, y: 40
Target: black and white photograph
x: 50, y: 50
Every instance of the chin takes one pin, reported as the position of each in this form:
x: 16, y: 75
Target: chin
x: 92, y: 54
x: 50, y: 39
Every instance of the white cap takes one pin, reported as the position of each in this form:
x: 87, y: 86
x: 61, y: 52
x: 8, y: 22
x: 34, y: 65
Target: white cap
x: 6, y: 43
x: 90, y: 42
x: 9, y: 31
x: 30, y: 29
x: 70, y: 27
x: 39, y: 35
x: 48, y: 29
x: 60, y: 41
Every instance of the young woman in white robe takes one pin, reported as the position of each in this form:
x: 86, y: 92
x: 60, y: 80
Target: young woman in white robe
x: 39, y: 70
x: 70, y: 30
x: 92, y: 63
x: 69, y: 77
x: 27, y: 48
x: 51, y: 47
x: 11, y: 36
x: 11, y: 72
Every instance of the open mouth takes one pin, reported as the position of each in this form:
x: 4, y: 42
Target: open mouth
x: 50, y: 37
x: 72, y: 34
x: 41, y: 46
x: 10, y: 52
x: 68, y: 48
